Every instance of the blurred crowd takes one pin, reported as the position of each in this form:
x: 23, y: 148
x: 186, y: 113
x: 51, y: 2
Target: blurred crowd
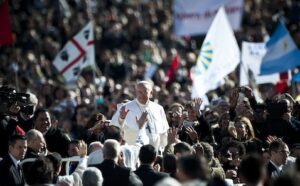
x: 131, y: 37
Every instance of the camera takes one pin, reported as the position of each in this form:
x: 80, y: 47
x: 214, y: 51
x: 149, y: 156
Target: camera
x: 9, y: 96
x: 241, y: 89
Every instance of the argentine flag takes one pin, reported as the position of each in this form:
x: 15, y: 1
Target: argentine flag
x: 282, y: 53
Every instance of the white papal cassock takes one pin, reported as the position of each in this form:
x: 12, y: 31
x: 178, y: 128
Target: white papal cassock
x: 154, y: 132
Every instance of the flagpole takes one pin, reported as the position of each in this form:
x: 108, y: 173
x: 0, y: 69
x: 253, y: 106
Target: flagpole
x: 89, y: 14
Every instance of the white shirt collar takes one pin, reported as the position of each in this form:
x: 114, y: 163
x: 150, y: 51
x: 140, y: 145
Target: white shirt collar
x: 279, y: 168
x: 15, y: 161
x: 142, y: 105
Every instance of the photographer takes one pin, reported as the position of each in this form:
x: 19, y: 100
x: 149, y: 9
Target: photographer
x: 9, y: 110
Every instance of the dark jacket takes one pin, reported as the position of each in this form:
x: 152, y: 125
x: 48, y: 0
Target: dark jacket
x: 26, y: 166
x: 148, y: 176
x: 9, y: 174
x: 272, y: 171
x: 114, y: 175
x: 26, y: 125
x: 280, y: 128
x: 7, y: 129
x: 57, y: 141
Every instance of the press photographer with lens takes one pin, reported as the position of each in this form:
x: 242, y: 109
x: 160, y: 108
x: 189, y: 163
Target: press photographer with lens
x: 12, y: 104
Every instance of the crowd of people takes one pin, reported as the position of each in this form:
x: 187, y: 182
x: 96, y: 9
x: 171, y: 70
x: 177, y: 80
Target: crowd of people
x: 126, y: 130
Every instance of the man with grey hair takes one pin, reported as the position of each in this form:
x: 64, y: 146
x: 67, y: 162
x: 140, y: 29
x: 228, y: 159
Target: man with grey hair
x: 36, y: 144
x: 92, y: 177
x: 114, y: 174
x: 143, y: 120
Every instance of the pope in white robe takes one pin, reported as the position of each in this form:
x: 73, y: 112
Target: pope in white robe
x: 142, y: 120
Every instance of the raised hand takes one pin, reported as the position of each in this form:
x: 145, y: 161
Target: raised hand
x: 248, y: 92
x: 172, y: 135
x: 190, y: 131
x: 123, y: 112
x: 198, y: 102
x: 96, y: 129
x: 121, y: 160
x: 198, y: 149
x: 14, y: 108
x: 82, y: 147
x: 142, y: 120
x: 157, y: 167
x: 270, y: 139
x: 233, y: 99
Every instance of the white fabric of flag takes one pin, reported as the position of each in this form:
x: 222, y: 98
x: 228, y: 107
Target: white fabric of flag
x: 194, y: 17
x: 219, y: 56
x: 252, y: 55
x: 77, y: 54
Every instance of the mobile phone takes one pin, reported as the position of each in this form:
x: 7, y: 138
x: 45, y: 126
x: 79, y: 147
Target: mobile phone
x: 187, y: 123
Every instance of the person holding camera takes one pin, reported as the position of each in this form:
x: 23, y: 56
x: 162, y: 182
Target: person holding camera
x: 8, y: 127
x: 12, y: 105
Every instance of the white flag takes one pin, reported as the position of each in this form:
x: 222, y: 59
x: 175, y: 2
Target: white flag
x: 252, y: 55
x: 77, y: 54
x: 219, y: 56
x: 193, y: 17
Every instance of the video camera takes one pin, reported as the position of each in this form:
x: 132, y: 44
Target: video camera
x: 9, y: 96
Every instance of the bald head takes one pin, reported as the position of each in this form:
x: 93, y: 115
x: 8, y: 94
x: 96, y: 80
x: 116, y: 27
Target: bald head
x: 35, y: 140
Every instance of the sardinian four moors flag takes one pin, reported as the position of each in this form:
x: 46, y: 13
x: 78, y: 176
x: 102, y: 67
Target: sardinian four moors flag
x: 77, y: 54
x: 219, y: 56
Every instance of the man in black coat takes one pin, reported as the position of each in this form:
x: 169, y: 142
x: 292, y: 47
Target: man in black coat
x: 279, y: 152
x: 10, y: 170
x: 146, y: 172
x: 56, y: 139
x: 113, y: 174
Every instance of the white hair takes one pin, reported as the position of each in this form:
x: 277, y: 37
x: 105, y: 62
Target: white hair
x: 92, y: 177
x: 32, y: 135
x: 168, y: 181
x: 111, y: 149
x: 96, y: 145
